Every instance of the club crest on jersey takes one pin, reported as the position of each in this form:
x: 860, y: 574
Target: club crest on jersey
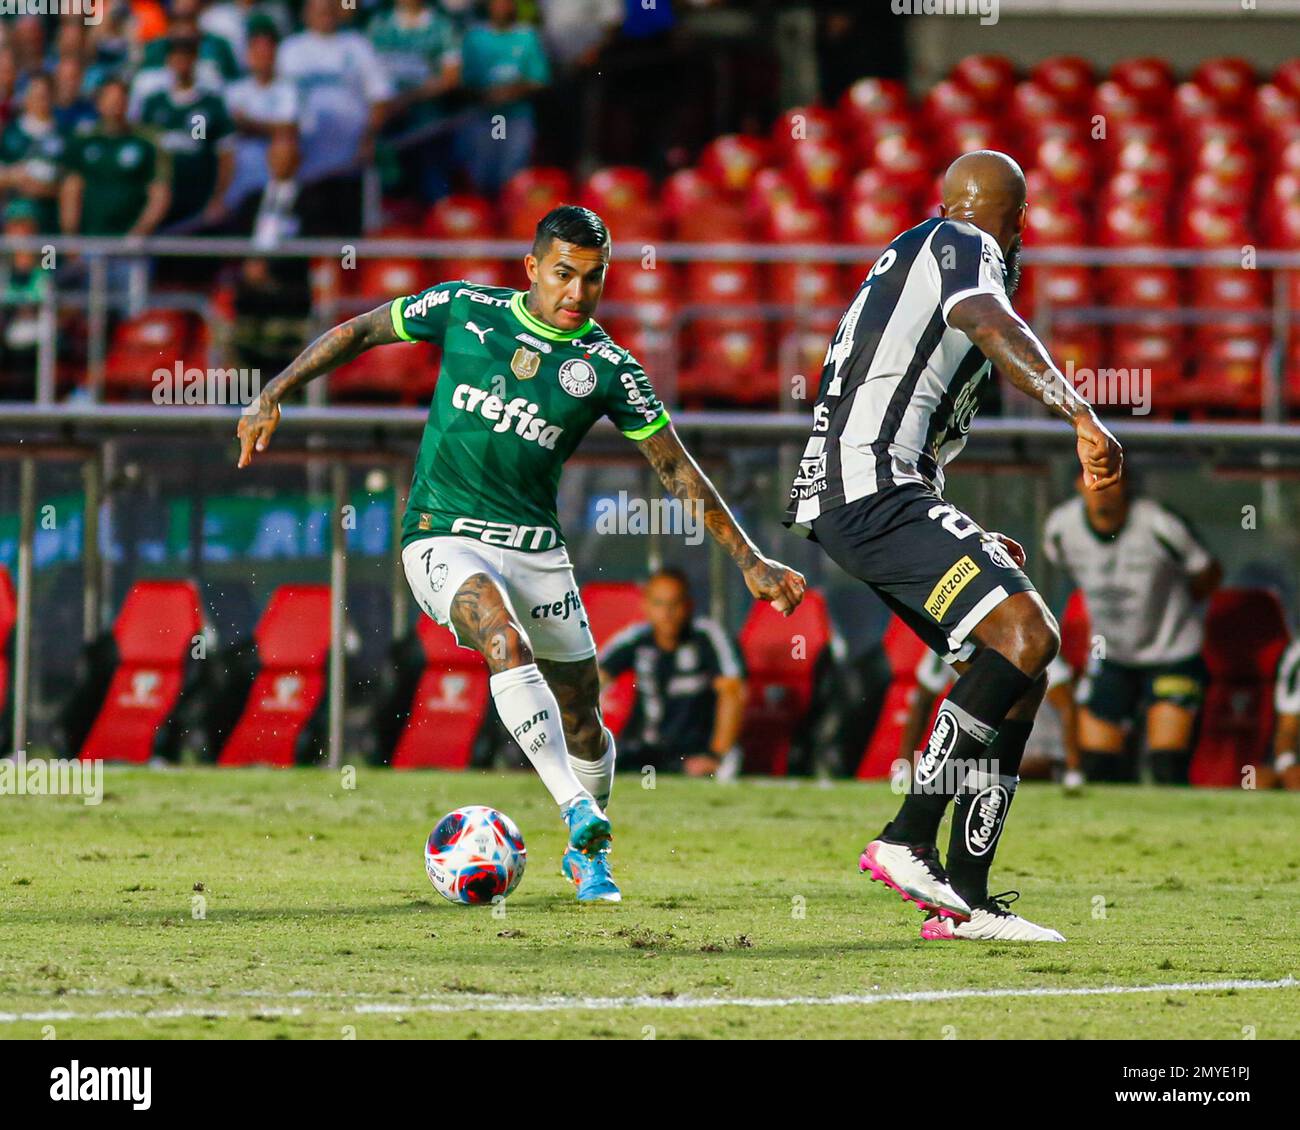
x: 577, y: 377
x: 525, y: 363
x: 998, y: 553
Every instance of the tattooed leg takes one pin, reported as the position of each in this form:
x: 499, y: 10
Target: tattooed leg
x: 483, y: 619
x: 591, y: 746
x: 577, y: 689
x: 481, y: 615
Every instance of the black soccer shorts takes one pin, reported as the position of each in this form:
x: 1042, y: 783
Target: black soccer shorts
x: 1118, y: 692
x: 932, y: 564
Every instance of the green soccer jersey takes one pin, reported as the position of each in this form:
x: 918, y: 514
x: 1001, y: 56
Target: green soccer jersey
x: 190, y: 127
x: 513, y: 400
x: 118, y: 169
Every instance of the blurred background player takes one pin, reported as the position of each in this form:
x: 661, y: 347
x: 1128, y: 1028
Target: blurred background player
x: 1284, y: 771
x: 690, y: 684
x: 1145, y: 577
x: 482, y: 546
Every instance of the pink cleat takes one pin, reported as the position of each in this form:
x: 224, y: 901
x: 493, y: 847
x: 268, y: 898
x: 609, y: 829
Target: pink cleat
x: 917, y: 875
x: 990, y: 921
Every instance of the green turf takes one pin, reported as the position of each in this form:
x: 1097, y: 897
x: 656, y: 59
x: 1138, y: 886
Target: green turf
x: 317, y: 919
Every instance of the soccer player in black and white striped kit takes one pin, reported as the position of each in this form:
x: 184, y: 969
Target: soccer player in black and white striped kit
x: 899, y: 388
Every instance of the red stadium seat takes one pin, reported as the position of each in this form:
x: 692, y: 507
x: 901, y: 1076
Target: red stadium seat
x: 904, y: 158
x: 449, y: 706
x: 1133, y: 221
x: 1192, y: 101
x: 486, y: 272
x: 292, y: 649
x: 730, y: 161
x: 8, y: 618
x: 966, y: 134
x: 796, y: 221
x: 1068, y: 78
x: 869, y: 99
x: 154, y: 339
x: 903, y: 649
x: 947, y: 100
x: 1230, y: 82
x: 1274, y: 106
x: 153, y: 633
x: 1115, y: 102
x: 1228, y: 363
x: 387, y: 278
x: 876, y: 222
x: 714, y: 222
x: 616, y: 188
x: 1150, y: 81
x: 685, y: 191
x: 1068, y: 165
x: 1245, y: 634
x: 989, y: 77
x: 611, y: 607
x: 1076, y: 634
x: 819, y: 168
x: 529, y: 195
x: 403, y: 372
x: 781, y: 656
x: 1204, y: 225
x: 800, y: 124
x: 461, y: 216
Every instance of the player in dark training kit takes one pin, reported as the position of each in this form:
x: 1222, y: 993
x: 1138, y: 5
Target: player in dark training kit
x: 899, y: 388
x: 524, y: 376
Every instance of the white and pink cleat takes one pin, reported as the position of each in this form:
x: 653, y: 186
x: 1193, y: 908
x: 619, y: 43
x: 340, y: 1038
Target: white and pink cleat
x: 916, y: 875
x: 990, y: 921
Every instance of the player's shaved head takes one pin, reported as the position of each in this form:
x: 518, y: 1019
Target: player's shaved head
x: 987, y: 189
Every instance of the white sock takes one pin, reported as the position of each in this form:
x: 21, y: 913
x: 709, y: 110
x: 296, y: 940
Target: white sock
x: 597, y: 776
x: 531, y: 714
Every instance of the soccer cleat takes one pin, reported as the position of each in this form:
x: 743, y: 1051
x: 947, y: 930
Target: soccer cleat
x: 591, y: 875
x: 916, y: 874
x: 990, y: 921
x: 589, y: 828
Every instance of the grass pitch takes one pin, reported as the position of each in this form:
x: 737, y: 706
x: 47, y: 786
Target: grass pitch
x: 205, y: 903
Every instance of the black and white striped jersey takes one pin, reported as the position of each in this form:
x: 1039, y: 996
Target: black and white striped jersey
x: 899, y: 387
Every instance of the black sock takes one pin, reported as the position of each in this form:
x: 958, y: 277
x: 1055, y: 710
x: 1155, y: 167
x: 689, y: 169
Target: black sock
x: 963, y: 730
x: 978, y: 815
x: 1107, y: 768
x: 1170, y: 766
x: 1008, y: 748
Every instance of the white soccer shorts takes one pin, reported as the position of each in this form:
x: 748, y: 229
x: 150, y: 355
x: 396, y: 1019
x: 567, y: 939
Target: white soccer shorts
x: 539, y: 587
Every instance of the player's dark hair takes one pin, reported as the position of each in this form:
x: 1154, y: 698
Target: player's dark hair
x: 570, y: 223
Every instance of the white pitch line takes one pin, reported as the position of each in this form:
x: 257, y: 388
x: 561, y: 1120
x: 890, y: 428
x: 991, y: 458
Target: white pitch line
x: 493, y: 1003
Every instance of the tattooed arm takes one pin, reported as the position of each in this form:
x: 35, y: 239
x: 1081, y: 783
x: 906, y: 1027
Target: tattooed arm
x: 765, y: 578
x: 333, y: 348
x: 1004, y: 338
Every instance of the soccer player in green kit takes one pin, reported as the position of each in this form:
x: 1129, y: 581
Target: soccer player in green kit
x: 524, y: 377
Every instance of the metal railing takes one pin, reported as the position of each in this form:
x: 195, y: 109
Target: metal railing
x: 92, y: 292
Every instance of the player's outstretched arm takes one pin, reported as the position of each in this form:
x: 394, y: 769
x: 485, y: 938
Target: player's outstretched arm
x: 765, y: 578
x: 1004, y: 338
x: 333, y: 348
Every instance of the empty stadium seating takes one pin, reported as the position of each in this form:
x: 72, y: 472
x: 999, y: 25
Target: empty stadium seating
x: 152, y: 639
x: 1245, y: 634
x: 448, y: 707
x: 611, y: 606
x: 280, y: 722
x: 781, y: 654
x: 903, y: 649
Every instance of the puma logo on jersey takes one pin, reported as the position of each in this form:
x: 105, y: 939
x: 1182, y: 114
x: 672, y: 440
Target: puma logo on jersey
x: 481, y: 334
x: 519, y: 414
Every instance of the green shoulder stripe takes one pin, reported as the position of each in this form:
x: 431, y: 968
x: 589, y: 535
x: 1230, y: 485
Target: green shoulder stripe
x: 650, y: 429
x: 399, y: 323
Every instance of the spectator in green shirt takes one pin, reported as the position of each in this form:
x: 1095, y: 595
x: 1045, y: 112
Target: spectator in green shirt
x: 130, y: 176
x: 183, y: 23
x: 32, y: 151
x: 503, y: 64
x: 194, y: 128
x: 421, y: 51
